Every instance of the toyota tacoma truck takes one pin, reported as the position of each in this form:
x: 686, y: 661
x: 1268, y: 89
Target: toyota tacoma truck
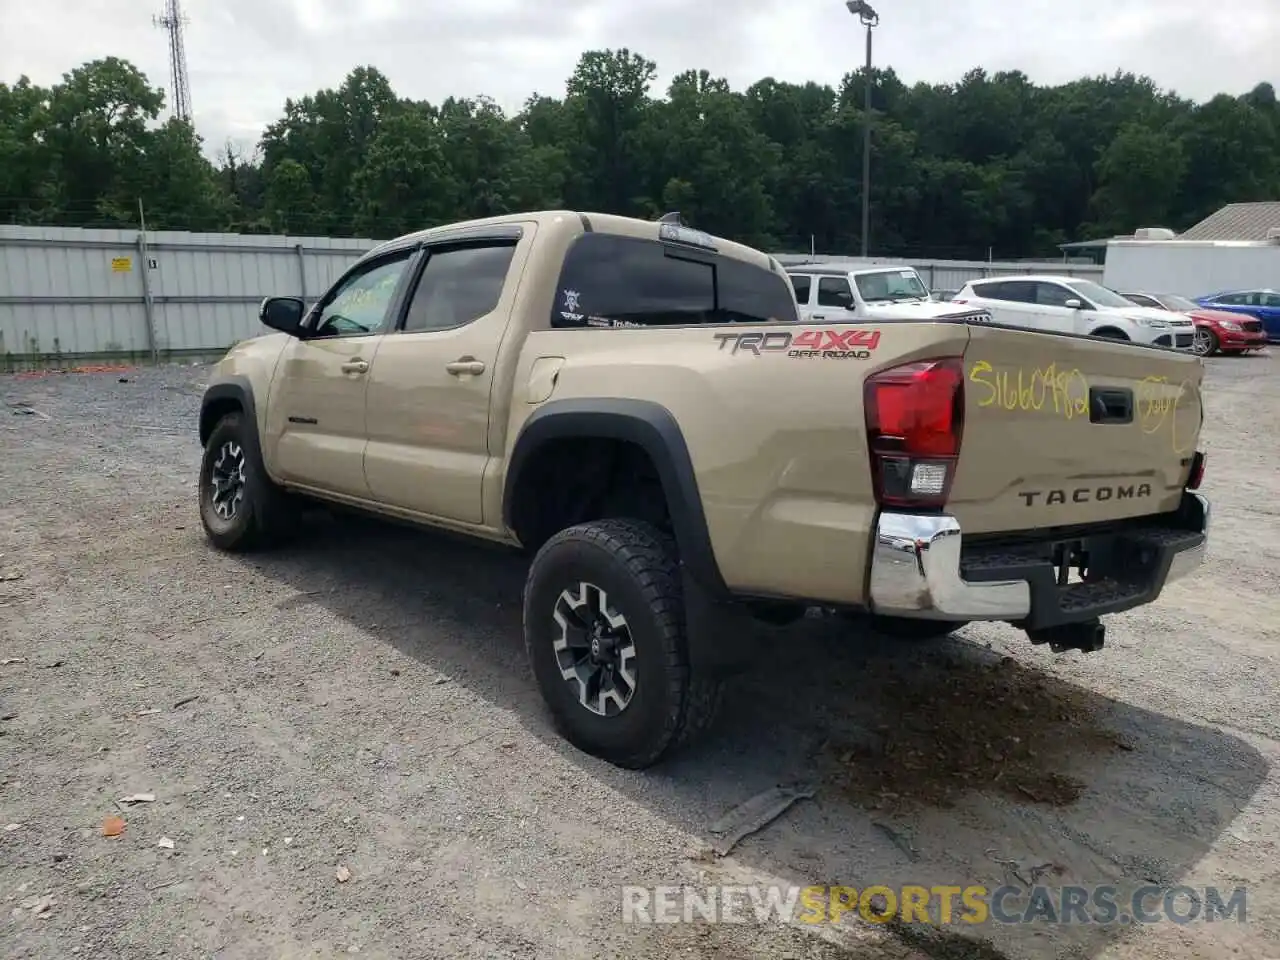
x: 639, y: 407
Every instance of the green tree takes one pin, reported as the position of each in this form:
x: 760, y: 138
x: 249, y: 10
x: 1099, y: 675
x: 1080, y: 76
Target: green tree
x: 24, y: 154
x: 989, y: 163
x: 1138, y: 174
x: 404, y: 183
x: 290, y: 203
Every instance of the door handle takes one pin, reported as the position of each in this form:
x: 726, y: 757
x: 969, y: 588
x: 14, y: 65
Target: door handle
x: 466, y: 365
x: 1110, y: 405
x: 355, y: 366
x: 819, y: 316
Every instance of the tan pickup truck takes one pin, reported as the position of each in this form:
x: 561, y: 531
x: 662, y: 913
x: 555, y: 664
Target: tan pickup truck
x: 638, y: 406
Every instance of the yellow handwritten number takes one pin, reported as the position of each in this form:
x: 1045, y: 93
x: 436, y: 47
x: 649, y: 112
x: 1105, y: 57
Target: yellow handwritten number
x: 1067, y: 391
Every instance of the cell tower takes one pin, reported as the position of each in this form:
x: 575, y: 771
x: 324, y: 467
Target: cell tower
x: 173, y: 20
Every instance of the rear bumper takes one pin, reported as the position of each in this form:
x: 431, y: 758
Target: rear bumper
x: 922, y: 568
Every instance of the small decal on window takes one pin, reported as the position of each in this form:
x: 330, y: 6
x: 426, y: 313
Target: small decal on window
x: 571, y: 298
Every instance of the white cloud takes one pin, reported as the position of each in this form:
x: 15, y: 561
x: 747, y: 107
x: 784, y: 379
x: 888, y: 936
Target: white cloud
x: 246, y: 56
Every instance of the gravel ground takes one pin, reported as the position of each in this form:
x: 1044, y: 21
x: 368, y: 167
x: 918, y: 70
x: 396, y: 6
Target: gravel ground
x: 362, y: 708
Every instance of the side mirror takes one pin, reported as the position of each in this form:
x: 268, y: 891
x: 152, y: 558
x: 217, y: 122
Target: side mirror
x: 1073, y: 304
x: 282, y: 313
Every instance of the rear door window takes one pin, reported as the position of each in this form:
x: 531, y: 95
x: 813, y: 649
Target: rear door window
x: 802, y: 285
x: 615, y: 281
x: 1016, y: 291
x: 835, y: 292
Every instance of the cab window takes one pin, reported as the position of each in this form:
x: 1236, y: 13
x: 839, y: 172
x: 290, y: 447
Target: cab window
x: 615, y: 281
x: 458, y: 286
x: 358, y: 304
x: 835, y: 292
x: 802, y: 286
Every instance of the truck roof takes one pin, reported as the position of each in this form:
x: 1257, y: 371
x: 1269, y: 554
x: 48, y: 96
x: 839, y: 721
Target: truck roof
x: 591, y: 222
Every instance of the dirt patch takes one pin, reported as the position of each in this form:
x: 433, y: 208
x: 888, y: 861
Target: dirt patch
x: 963, y: 724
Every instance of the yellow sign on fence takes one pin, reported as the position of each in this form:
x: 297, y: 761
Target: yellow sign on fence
x: 121, y: 264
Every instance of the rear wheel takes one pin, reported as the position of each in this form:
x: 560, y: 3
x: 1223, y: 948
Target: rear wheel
x: 1205, y: 343
x: 605, y: 634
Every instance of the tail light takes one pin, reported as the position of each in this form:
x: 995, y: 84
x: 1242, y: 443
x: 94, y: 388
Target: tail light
x: 1197, y: 470
x: 915, y: 421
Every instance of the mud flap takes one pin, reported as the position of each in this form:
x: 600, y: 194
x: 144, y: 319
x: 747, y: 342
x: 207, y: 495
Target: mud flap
x: 723, y: 637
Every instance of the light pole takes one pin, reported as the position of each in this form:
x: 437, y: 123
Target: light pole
x: 870, y: 19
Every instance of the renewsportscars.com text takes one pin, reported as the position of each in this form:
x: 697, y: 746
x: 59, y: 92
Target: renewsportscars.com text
x: 939, y: 905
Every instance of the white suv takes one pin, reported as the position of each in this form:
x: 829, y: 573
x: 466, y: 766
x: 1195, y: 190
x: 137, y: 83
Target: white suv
x: 843, y: 293
x: 1071, y: 305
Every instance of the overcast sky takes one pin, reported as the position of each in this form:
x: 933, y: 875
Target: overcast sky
x: 246, y: 56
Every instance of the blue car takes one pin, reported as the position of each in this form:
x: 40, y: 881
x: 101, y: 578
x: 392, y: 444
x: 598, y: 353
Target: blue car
x: 1264, y: 305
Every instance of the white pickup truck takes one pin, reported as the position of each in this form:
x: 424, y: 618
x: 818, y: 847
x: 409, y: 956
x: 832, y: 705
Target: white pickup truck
x: 844, y: 293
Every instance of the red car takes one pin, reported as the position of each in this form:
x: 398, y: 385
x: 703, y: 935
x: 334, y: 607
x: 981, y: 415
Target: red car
x: 1217, y: 331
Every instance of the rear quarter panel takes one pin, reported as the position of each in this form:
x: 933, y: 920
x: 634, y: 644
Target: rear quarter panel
x: 777, y: 440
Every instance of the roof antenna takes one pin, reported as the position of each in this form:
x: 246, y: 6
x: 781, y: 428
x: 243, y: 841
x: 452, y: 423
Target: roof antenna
x: 672, y: 217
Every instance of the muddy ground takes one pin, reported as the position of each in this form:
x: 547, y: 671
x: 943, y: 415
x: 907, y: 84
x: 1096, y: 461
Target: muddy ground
x: 358, y: 706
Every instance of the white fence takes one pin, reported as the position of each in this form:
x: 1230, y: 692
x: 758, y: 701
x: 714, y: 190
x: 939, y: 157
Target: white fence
x: 69, y: 295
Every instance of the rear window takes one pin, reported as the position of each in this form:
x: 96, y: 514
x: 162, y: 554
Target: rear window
x: 1017, y: 291
x: 613, y: 281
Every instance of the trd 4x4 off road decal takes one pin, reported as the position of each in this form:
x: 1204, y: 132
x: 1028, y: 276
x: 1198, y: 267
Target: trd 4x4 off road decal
x: 811, y: 344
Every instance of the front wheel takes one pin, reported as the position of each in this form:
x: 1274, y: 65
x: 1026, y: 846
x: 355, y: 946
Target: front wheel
x: 604, y: 629
x: 240, y: 507
x: 1205, y: 343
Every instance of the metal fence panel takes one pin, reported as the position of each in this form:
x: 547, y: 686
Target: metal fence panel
x: 68, y: 293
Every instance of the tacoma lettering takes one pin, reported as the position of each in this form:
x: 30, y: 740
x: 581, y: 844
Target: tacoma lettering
x: 1086, y: 494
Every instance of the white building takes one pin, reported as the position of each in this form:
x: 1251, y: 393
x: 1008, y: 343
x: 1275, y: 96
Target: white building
x: 1237, y: 248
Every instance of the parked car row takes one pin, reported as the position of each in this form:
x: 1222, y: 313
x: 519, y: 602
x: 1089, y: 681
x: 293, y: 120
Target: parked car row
x: 1260, y: 305
x: 1064, y: 304
x: 1217, y: 330
x: 1237, y: 322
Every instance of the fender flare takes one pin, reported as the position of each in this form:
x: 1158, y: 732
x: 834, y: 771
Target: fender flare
x: 652, y: 428
x: 223, y: 389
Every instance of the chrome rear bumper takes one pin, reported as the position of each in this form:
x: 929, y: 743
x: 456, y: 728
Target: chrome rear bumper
x: 918, y: 569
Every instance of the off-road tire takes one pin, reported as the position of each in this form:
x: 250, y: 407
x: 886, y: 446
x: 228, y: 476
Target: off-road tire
x: 265, y: 516
x: 636, y: 565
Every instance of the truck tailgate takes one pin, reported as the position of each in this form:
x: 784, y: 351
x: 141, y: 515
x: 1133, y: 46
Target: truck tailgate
x: 1060, y: 431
